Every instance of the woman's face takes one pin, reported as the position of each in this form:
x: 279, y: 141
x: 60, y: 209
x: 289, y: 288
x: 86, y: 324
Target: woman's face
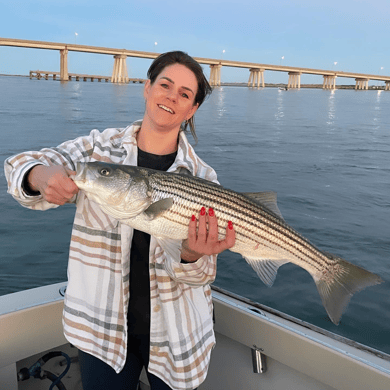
x: 170, y: 99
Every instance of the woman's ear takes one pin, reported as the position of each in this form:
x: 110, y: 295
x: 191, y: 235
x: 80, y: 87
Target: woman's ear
x: 192, y: 111
x: 146, y: 89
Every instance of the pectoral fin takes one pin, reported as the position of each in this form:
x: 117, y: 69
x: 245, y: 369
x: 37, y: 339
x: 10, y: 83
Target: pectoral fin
x: 156, y: 208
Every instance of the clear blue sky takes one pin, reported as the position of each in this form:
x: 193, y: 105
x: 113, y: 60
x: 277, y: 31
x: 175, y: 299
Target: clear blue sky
x: 312, y: 34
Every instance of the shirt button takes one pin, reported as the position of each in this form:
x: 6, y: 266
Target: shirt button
x: 157, y: 308
x: 155, y: 349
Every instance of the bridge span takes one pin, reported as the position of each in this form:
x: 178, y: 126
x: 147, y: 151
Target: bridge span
x: 256, y: 70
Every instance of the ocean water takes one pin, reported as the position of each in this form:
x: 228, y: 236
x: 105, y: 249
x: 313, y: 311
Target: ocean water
x: 326, y: 154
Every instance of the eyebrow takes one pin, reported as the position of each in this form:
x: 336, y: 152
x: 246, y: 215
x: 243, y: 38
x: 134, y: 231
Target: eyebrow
x: 188, y: 89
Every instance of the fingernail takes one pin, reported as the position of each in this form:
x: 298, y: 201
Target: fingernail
x: 193, y: 218
x: 230, y: 225
x: 202, y: 211
x: 211, y: 212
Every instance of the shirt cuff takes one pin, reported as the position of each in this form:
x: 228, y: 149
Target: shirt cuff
x: 26, y: 186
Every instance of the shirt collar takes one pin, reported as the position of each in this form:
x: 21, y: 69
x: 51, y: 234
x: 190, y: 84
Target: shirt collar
x: 185, y: 158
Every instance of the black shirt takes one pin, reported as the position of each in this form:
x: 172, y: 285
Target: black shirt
x: 138, y: 317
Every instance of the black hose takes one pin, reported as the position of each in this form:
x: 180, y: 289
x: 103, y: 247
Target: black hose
x: 36, y: 372
x: 55, y: 379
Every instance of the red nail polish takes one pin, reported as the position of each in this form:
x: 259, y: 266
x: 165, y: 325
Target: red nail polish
x: 193, y: 218
x: 211, y: 212
x: 202, y: 211
x: 230, y: 225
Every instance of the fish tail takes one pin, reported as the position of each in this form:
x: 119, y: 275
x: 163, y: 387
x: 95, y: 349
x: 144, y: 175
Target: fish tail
x: 339, y: 282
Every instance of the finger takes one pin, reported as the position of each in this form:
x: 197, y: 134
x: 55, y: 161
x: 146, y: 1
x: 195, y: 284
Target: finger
x: 202, y: 227
x: 52, y: 196
x: 62, y: 184
x: 192, y: 232
x: 213, y: 227
x: 230, y: 238
x: 70, y: 172
x: 69, y: 186
x: 228, y: 242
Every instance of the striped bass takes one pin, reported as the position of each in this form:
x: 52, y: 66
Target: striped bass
x: 162, y: 204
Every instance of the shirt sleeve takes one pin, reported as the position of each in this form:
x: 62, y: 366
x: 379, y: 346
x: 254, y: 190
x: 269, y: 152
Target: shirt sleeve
x: 199, y: 273
x: 67, y: 154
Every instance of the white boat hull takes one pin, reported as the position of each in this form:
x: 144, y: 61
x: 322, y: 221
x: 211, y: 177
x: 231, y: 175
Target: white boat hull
x: 294, y: 354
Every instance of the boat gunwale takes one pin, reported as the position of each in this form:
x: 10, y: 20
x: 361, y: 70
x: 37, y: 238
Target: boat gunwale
x: 266, y: 309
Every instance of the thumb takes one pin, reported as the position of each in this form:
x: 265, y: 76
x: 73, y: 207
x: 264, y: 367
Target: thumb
x: 70, y: 173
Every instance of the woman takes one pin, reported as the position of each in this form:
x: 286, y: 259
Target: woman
x: 126, y: 305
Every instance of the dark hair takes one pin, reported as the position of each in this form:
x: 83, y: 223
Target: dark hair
x: 179, y: 57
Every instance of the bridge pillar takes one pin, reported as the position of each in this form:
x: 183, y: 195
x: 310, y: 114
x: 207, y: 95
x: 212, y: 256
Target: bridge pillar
x: 256, y: 77
x: 329, y: 82
x: 64, y: 75
x: 294, y: 80
x: 215, y: 75
x: 387, y: 88
x: 361, y: 83
x: 119, y: 74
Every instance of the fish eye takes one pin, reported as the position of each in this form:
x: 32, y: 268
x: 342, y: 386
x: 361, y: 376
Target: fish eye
x: 105, y: 171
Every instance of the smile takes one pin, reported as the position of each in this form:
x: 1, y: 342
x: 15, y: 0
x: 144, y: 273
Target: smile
x: 165, y: 108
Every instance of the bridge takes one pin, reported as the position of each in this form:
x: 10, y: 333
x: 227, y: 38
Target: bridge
x: 256, y: 70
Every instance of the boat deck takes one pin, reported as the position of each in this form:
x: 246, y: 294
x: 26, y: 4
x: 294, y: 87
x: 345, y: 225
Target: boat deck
x: 72, y: 379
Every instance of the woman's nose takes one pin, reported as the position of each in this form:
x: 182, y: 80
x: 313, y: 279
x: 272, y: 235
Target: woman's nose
x: 172, y: 95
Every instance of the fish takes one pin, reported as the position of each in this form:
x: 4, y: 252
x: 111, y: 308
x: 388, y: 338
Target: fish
x: 162, y: 204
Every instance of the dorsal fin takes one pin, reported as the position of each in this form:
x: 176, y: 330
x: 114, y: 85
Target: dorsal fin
x: 183, y: 171
x: 267, y: 199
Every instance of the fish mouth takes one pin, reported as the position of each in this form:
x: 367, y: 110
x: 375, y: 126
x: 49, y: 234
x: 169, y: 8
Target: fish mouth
x: 80, y: 175
x: 165, y: 108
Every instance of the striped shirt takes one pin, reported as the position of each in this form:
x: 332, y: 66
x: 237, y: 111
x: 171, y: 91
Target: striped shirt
x: 97, y: 296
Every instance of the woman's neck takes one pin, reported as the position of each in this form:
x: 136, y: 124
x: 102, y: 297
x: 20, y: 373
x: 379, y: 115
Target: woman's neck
x: 155, y: 141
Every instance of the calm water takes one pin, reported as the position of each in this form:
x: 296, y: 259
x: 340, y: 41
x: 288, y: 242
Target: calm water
x: 327, y: 155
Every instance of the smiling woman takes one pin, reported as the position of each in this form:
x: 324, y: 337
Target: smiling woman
x: 178, y: 57
x: 129, y: 303
x: 170, y: 101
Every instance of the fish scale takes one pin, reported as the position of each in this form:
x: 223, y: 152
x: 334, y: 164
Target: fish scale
x: 166, y: 189
x: 162, y: 204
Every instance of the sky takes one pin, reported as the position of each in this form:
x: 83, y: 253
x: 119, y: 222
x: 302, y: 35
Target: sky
x: 345, y: 35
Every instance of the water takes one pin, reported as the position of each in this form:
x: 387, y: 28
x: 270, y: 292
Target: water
x: 326, y: 154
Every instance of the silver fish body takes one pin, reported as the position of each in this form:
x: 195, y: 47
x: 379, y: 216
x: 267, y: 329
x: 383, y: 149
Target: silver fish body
x: 162, y: 204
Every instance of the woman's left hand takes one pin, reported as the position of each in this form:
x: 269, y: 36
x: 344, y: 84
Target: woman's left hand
x: 203, y: 237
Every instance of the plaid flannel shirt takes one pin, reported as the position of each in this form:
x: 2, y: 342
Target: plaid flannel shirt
x: 97, y: 296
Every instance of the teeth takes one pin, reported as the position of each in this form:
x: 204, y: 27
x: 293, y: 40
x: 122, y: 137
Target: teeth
x: 165, y: 108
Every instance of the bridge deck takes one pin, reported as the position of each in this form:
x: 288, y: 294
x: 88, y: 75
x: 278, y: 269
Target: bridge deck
x: 47, y: 74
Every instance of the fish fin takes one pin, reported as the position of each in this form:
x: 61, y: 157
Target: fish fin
x: 267, y: 199
x: 183, y: 171
x: 266, y: 269
x: 156, y: 208
x: 337, y: 285
x: 171, y: 247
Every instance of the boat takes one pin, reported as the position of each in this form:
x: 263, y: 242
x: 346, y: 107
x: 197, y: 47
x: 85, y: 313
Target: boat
x: 257, y: 347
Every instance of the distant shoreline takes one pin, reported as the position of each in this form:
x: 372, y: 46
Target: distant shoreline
x: 266, y: 85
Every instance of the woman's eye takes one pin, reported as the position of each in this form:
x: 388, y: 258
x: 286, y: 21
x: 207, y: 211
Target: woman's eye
x: 104, y: 172
x: 164, y: 85
x: 185, y: 95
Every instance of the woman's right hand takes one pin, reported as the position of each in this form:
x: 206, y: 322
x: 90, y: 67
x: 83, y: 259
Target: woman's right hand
x: 53, y: 183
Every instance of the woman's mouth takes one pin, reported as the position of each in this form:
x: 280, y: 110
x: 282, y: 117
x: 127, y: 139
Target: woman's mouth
x: 165, y: 108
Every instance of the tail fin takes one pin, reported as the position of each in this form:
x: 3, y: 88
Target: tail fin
x: 337, y: 286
